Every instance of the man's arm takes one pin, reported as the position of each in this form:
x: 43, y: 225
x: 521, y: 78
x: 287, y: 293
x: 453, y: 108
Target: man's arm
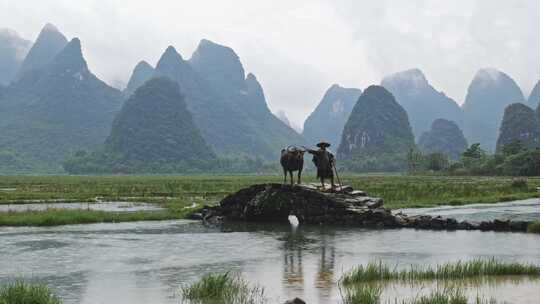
x: 311, y: 151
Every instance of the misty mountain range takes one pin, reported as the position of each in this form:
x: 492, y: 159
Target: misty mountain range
x: 52, y: 107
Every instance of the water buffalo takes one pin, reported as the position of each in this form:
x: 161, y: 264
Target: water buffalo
x: 292, y: 159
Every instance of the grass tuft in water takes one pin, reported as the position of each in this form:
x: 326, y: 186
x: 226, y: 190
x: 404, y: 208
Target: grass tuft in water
x: 534, y: 227
x: 225, y: 288
x: 445, y: 296
x: 21, y: 292
x: 362, y: 294
x: 379, y: 271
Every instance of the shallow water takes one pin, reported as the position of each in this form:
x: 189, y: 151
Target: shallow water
x: 524, y: 210
x: 101, y: 206
x: 146, y: 262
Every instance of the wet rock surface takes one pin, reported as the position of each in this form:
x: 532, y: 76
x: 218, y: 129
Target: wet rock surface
x: 346, y: 207
x: 295, y: 301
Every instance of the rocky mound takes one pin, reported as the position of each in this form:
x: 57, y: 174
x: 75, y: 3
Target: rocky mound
x: 222, y: 69
x: 232, y: 115
x: 51, y: 112
x: 142, y: 72
x: 326, y: 122
x: 13, y: 49
x: 275, y: 202
x: 422, y: 101
x: 444, y: 137
x: 519, y: 124
x: 154, y: 127
x: 377, y: 135
x: 281, y: 115
x: 49, y: 43
x: 489, y: 93
x: 534, y: 98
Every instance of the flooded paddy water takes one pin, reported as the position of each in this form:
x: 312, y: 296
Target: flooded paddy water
x: 146, y: 262
x: 100, y: 206
x: 524, y: 210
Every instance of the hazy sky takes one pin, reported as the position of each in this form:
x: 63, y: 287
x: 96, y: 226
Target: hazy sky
x: 297, y: 49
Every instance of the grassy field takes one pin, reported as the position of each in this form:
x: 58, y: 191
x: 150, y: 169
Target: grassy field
x: 177, y: 192
x: 398, y: 191
x: 56, y: 217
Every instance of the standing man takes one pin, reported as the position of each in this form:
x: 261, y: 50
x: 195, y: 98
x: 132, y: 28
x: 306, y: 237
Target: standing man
x: 324, y: 161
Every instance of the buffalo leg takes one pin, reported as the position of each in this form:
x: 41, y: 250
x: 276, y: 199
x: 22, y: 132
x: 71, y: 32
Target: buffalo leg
x: 284, y: 176
x: 300, y: 176
x: 292, y: 179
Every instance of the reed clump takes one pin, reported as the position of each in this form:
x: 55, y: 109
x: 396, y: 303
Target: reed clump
x: 378, y: 271
x: 372, y: 294
x: 223, y: 288
x: 21, y: 292
x: 444, y: 296
x: 362, y: 294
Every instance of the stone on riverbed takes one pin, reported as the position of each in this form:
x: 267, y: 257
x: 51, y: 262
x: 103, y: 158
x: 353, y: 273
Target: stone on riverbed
x: 295, y: 301
x: 275, y: 202
x: 345, y: 207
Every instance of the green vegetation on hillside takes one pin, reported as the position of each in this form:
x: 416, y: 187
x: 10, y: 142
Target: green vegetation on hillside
x: 519, y: 123
x: 377, y: 134
x: 51, y: 112
x: 153, y: 132
x: 443, y: 137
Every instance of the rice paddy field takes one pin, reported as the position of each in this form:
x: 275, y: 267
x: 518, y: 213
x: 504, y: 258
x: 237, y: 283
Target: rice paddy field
x: 180, y: 195
x: 399, y: 191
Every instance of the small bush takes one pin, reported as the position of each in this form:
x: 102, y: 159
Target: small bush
x: 25, y: 293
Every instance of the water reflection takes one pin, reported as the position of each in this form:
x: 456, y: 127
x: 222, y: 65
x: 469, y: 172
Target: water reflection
x: 297, y: 246
x: 146, y: 262
x: 293, y: 272
x: 325, y: 275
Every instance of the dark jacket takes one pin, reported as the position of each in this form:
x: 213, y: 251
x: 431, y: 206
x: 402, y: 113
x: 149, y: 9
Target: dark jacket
x: 324, y: 161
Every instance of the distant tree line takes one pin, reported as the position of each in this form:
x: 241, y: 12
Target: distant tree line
x: 513, y: 159
x: 83, y: 162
